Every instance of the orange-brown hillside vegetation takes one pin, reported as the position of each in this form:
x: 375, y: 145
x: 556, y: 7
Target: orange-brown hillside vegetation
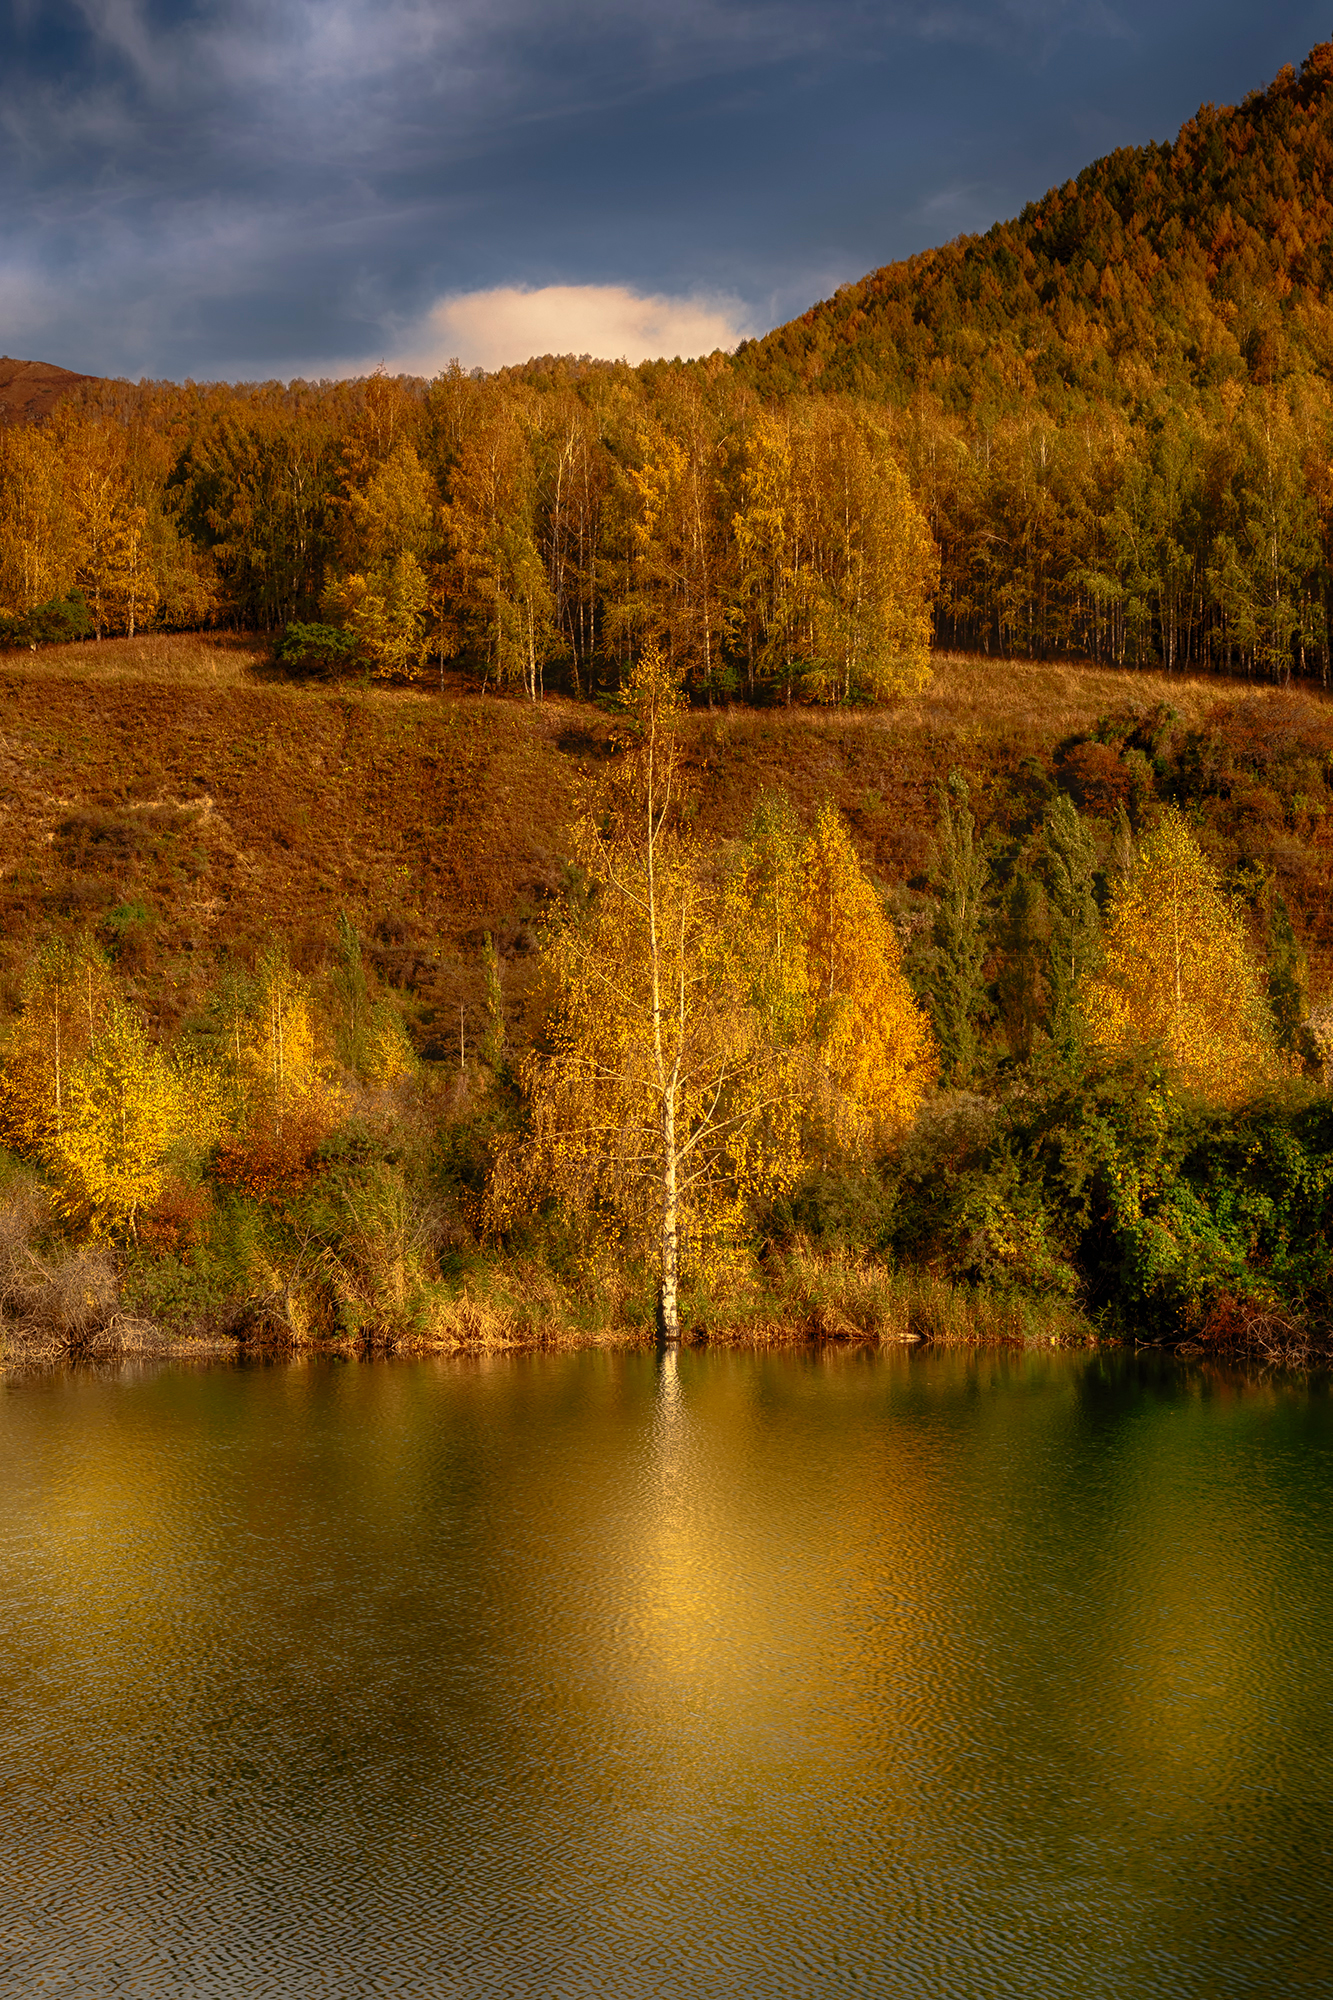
x: 175, y: 797
x: 30, y: 390
x: 1113, y: 413
x: 1175, y: 266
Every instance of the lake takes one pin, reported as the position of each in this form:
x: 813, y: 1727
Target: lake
x: 805, y: 1673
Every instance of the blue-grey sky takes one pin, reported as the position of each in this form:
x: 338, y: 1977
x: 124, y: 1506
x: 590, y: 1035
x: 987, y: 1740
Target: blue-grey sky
x: 242, y: 188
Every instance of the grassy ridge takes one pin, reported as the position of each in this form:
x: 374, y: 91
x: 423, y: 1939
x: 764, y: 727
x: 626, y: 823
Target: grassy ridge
x: 178, y: 774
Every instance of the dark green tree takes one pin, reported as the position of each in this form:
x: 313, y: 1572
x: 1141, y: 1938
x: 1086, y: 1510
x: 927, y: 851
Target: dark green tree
x: 959, y: 934
x: 1069, y: 866
x: 1020, y: 983
x: 1288, y: 986
x: 349, y: 984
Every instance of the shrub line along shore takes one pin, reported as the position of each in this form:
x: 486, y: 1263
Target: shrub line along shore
x: 195, y: 839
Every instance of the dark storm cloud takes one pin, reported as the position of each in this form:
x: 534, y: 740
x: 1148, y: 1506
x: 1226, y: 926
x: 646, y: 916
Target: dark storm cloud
x: 245, y: 188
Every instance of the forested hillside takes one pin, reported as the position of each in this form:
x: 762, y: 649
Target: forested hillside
x: 1104, y: 430
x: 1116, y: 408
x: 1178, y: 266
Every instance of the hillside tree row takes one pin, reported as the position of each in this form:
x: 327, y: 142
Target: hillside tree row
x: 537, y: 528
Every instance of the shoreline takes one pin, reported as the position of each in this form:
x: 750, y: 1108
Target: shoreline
x: 91, y: 1313
x: 26, y: 1356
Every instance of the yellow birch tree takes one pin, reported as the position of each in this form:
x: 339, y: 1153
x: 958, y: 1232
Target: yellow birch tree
x: 681, y: 555
x: 703, y: 1030
x: 658, y: 1105
x: 65, y: 1002
x: 1177, y: 972
x: 283, y: 1101
x: 38, y: 551
x: 838, y: 568
x: 491, y: 521
x: 84, y: 1090
x: 123, y: 1109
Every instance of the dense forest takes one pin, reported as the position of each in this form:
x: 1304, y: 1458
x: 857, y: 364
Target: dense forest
x: 1104, y: 430
x: 1115, y: 408
x: 535, y: 531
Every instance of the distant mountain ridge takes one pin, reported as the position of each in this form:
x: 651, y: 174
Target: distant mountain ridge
x: 1160, y: 264
x: 30, y: 390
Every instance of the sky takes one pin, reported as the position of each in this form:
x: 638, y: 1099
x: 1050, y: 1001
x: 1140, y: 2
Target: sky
x: 250, y: 189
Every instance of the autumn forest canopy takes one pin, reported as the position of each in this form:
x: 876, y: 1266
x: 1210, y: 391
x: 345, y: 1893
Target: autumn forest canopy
x: 1101, y: 430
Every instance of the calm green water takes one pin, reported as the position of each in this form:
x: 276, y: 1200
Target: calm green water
x: 918, y: 1675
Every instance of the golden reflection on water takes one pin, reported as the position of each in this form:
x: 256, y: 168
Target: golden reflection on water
x: 722, y: 1673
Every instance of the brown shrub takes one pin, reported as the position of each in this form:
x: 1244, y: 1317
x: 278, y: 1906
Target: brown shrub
x: 275, y: 1156
x: 1097, y: 777
x: 177, y: 1219
x: 50, y: 1309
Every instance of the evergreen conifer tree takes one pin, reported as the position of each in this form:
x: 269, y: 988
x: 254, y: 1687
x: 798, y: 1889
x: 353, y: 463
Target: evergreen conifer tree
x: 959, y: 935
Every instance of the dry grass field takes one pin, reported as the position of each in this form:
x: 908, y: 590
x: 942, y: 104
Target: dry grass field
x: 174, y: 795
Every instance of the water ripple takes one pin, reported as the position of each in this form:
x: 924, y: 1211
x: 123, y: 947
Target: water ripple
x: 922, y: 1675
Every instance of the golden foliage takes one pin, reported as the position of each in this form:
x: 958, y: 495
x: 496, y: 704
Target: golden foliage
x: 874, y: 1050
x: 66, y: 997
x: 703, y: 1031
x: 123, y: 1108
x: 492, y: 523
x: 284, y: 1103
x: 838, y: 564
x: 38, y: 555
x: 388, y: 1055
x: 84, y: 1089
x: 1177, y: 972
x: 825, y: 972
x: 680, y: 576
x: 274, y: 1037
x: 383, y: 593
x: 658, y: 1101
x: 82, y: 507
x: 388, y: 610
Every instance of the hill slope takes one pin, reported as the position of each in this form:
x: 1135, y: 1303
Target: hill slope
x: 175, y: 798
x: 1192, y: 262
x: 30, y: 390
x: 171, y: 798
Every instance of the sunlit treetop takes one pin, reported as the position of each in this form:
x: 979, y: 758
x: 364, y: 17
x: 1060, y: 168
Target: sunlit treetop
x: 1178, y: 973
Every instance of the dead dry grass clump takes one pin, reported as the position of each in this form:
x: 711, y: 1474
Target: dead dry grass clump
x: 520, y: 1302
x: 1255, y: 1327
x: 367, y: 1262
x: 65, y: 1307
x: 841, y: 1297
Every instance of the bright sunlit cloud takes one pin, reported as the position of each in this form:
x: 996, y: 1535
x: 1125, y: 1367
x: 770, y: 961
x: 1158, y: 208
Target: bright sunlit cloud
x: 256, y: 188
x: 509, y: 324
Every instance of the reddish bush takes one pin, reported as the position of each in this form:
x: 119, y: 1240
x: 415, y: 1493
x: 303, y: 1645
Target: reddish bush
x: 275, y: 1155
x: 1096, y: 776
x: 177, y: 1219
